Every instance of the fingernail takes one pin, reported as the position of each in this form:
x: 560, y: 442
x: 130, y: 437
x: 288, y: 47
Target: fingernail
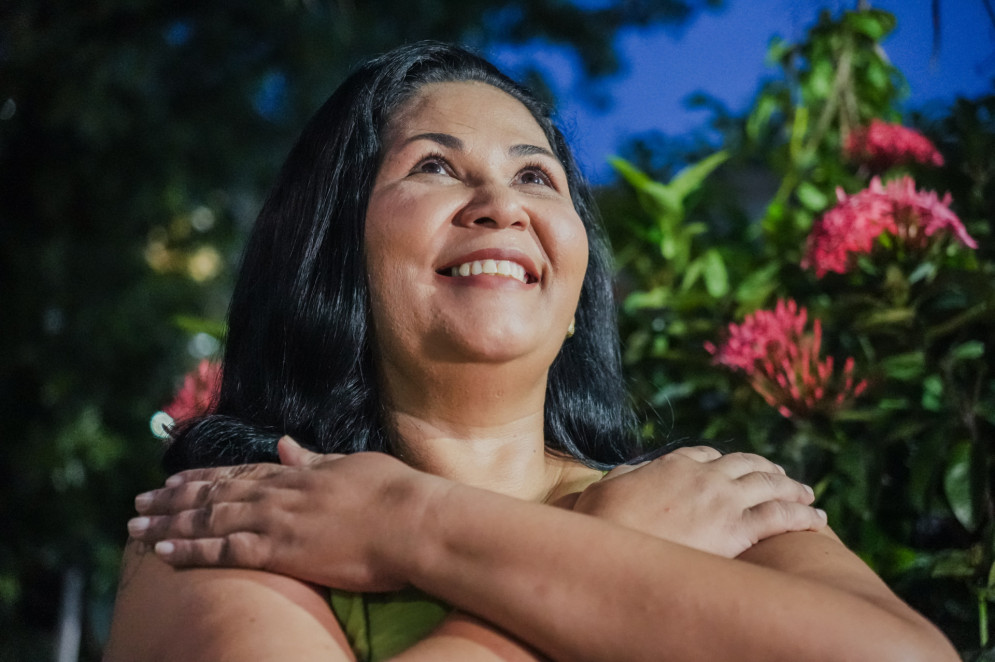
x: 173, y: 481
x: 808, y: 488
x: 164, y: 547
x: 822, y: 514
x: 143, y: 500
x: 138, y: 525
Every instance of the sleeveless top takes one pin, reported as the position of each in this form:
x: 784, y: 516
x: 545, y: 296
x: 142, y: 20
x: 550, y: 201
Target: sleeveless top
x: 381, y: 625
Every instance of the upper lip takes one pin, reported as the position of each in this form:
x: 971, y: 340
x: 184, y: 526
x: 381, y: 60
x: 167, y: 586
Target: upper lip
x: 510, y: 254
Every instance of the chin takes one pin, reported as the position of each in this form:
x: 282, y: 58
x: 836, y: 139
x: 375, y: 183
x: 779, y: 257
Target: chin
x: 498, y: 345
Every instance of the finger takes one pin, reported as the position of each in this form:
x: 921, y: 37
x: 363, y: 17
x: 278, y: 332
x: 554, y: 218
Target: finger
x: 192, y: 495
x: 238, y: 550
x: 211, y: 521
x: 760, y: 486
x: 736, y: 465
x: 699, y: 453
x: 211, y: 474
x: 775, y: 517
x: 293, y: 454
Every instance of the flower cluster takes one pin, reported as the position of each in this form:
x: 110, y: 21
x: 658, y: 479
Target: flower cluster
x: 783, y: 363
x: 897, y: 208
x: 195, y: 398
x: 881, y: 145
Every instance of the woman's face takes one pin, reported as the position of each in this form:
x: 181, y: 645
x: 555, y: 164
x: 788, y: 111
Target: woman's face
x: 474, y: 251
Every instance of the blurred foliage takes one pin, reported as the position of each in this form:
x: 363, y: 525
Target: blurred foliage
x: 137, y: 139
x: 905, y: 474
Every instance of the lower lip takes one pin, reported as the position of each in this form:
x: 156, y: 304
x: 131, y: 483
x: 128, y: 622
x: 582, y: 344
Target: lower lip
x: 488, y: 281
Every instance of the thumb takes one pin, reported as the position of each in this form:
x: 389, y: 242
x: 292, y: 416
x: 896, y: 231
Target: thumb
x: 293, y: 454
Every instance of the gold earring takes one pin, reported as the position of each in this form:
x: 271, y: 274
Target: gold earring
x: 571, y: 328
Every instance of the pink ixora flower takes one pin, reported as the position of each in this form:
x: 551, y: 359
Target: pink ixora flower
x: 783, y: 364
x: 881, y: 145
x: 897, y: 208
x: 196, y: 396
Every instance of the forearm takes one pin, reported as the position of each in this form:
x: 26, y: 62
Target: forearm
x: 579, y: 588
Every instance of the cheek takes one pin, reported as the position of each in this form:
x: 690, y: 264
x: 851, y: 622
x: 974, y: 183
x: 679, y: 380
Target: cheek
x: 570, y: 251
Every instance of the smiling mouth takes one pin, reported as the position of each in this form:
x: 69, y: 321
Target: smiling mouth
x: 505, y: 268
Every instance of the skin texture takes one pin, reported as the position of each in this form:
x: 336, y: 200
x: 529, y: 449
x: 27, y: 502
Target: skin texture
x: 691, y: 556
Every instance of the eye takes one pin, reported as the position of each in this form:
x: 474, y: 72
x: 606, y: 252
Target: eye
x: 535, y: 175
x: 434, y: 164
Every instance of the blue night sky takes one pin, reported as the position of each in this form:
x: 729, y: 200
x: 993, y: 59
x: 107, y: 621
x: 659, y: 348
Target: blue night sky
x: 722, y: 53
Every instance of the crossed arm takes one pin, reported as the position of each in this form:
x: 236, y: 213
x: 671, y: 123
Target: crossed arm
x: 570, y: 585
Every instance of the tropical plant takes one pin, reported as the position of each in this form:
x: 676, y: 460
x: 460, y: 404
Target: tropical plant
x: 845, y: 329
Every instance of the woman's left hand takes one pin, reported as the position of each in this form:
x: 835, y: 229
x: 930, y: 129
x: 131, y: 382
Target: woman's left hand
x: 309, y: 517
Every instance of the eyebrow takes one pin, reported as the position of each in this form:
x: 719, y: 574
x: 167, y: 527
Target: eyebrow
x: 452, y: 142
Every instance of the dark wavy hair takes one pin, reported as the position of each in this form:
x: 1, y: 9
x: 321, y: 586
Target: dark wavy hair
x: 298, y: 357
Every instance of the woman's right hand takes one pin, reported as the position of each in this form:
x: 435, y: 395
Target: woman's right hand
x: 334, y: 520
x: 722, y: 504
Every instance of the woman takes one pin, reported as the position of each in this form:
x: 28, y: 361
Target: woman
x: 427, y: 281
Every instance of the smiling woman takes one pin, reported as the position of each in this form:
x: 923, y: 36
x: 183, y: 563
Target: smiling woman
x: 427, y: 283
x: 481, y: 191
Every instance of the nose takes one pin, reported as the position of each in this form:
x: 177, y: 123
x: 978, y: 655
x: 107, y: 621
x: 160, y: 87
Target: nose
x: 495, y: 206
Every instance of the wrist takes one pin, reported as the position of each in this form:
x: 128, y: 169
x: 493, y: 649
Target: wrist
x: 415, y: 536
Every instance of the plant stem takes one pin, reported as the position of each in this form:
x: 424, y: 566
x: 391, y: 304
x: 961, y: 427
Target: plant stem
x: 983, y: 618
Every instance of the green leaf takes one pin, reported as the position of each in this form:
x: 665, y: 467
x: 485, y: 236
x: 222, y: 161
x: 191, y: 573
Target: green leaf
x: 630, y: 173
x: 820, y: 80
x: 810, y: 196
x: 871, y: 23
x: 932, y: 393
x: 904, y: 367
x: 968, y: 351
x: 716, y: 276
x: 765, y: 108
x: 955, y: 563
x: 690, y: 178
x: 887, y: 317
x: 924, y: 271
x: 668, y: 246
x: 692, y: 273
x: 757, y: 286
x: 777, y: 49
x: 655, y: 298
x: 957, y: 485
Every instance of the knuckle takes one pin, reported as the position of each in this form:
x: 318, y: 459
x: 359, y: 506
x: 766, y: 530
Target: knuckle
x: 245, y: 549
x: 745, y: 459
x: 706, y: 451
x: 770, y: 481
x: 203, y: 494
x: 772, y: 516
x: 240, y: 471
x: 202, y: 519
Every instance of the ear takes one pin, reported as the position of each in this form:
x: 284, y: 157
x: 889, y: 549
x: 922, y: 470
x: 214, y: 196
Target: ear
x: 293, y: 454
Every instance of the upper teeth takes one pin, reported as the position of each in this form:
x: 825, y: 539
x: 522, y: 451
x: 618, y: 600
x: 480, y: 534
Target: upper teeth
x: 491, y: 267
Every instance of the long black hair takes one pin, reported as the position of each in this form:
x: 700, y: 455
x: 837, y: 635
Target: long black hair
x: 298, y: 357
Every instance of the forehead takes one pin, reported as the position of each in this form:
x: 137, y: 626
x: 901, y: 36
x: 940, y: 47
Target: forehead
x: 466, y: 109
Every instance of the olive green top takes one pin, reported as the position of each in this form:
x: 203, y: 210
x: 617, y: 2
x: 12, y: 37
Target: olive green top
x: 381, y: 625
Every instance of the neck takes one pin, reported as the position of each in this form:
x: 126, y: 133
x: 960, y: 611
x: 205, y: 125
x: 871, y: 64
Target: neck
x: 477, y: 424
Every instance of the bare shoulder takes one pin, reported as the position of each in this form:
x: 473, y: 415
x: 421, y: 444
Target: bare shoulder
x: 217, y: 614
